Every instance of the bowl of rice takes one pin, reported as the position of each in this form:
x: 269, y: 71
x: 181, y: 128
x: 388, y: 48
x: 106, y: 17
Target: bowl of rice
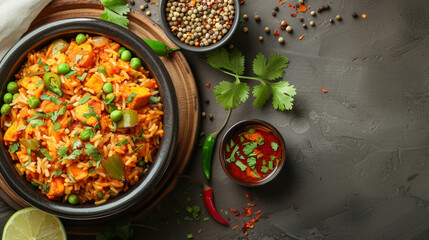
x: 89, y: 119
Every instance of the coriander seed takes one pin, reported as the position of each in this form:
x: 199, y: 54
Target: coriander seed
x: 203, y: 114
x: 257, y: 18
x: 260, y: 38
x: 331, y: 20
x: 148, y: 13
x: 301, y: 1
x: 245, y: 29
x: 245, y: 17
x: 301, y: 19
x: 288, y: 29
x: 142, y: 7
x: 304, y: 25
x: 281, y: 40
x: 312, y: 23
x: 267, y: 29
x: 231, y: 46
x: 284, y: 23
x: 313, y: 13
x: 354, y: 15
x: 338, y: 17
x: 211, y: 116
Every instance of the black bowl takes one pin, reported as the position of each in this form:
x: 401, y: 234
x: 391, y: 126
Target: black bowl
x: 220, y: 43
x: 42, y: 36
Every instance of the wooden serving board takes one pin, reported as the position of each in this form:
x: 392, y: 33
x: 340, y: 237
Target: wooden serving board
x: 187, y: 96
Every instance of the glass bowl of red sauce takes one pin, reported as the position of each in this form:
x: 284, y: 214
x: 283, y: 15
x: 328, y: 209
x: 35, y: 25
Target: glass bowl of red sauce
x: 252, y: 152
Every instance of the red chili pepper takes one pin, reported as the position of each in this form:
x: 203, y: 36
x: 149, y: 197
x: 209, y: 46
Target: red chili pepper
x: 209, y: 204
x: 324, y: 89
x: 208, y: 85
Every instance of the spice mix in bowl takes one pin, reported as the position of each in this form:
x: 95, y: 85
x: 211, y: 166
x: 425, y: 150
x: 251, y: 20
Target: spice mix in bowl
x: 199, y: 25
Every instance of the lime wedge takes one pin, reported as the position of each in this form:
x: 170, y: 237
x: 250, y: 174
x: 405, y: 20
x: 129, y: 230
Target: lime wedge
x: 32, y: 223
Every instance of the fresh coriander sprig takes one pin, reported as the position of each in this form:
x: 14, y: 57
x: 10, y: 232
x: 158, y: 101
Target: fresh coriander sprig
x: 115, y: 11
x: 231, y: 94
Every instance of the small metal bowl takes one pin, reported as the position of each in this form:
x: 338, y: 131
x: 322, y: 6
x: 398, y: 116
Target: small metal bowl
x: 68, y: 28
x: 182, y: 45
x: 240, y: 126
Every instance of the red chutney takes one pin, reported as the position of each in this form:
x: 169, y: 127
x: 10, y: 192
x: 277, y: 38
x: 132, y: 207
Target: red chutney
x: 253, y: 153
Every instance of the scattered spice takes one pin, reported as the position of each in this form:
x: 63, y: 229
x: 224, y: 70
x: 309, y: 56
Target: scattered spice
x: 267, y: 29
x: 288, y: 29
x: 281, y: 40
x: 323, y: 8
x: 313, y: 13
x: 274, y: 14
x: 276, y: 33
x: 331, y: 21
x: 301, y: 19
x: 364, y: 16
x: 245, y: 29
x: 283, y: 23
x: 324, y: 89
x: 302, y: 8
x: 338, y: 17
x: 312, y: 23
x: 245, y: 17
x: 207, y: 101
x: 148, y: 13
x: 301, y: 1
x: 203, y: 114
x: 154, y: 3
x: 304, y: 25
x: 261, y: 38
x: 257, y: 18
x: 132, y: 2
x: 276, y: 8
x: 142, y: 7
x: 208, y: 85
x: 300, y: 38
x: 354, y: 15
x: 211, y: 116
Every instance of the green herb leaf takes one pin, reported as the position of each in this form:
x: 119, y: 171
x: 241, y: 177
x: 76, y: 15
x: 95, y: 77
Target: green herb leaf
x: 36, y: 123
x: 251, y: 161
x: 45, y: 187
x: 130, y: 98
x: 91, y: 113
x: 231, y: 94
x: 270, y: 165
x: 222, y: 59
x: 115, y: 127
x: 29, y: 158
x: 264, y: 169
x: 70, y: 73
x: 62, y: 151
x: 93, y: 153
x: 241, y: 165
x: 108, y: 101
x: 274, y: 146
x: 283, y: 94
x: 122, y: 143
x: 82, y: 77
x: 137, y: 148
x: 153, y: 99
x: 47, y: 68
x: 76, y: 153
x: 78, y: 57
x: 14, y: 147
x: 54, y: 116
x: 40, y: 62
x: 248, y: 149
x: 84, y: 99
x: 140, y: 137
x: 56, y: 126
x: 91, y: 170
x: 102, y: 70
x: 56, y: 172
x: 23, y: 127
x: 46, y: 154
x: 262, y: 93
x: 273, y: 69
x: 71, y: 178
x: 113, y: 17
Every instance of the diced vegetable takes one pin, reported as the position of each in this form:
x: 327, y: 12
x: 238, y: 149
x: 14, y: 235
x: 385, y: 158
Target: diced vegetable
x: 53, y: 83
x: 114, y: 167
x: 95, y: 83
x: 30, y: 143
x: 129, y: 119
x: 11, y: 133
x: 59, y: 45
x: 76, y: 143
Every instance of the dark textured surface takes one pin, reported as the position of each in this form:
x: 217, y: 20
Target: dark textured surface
x: 357, y: 161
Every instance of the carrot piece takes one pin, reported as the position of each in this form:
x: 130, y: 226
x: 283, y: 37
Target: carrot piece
x: 76, y: 172
x: 56, y: 189
x: 12, y: 133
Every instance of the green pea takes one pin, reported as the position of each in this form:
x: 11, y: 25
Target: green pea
x: 8, y: 98
x: 140, y: 163
x: 126, y: 55
x: 33, y: 102
x: 121, y: 49
x: 63, y: 68
x: 34, y: 184
x: 86, y: 134
x: 73, y: 199
x: 108, y: 87
x: 80, y: 38
x: 15, y: 96
x: 12, y: 87
x: 116, y: 115
x: 135, y: 62
x: 5, y: 109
